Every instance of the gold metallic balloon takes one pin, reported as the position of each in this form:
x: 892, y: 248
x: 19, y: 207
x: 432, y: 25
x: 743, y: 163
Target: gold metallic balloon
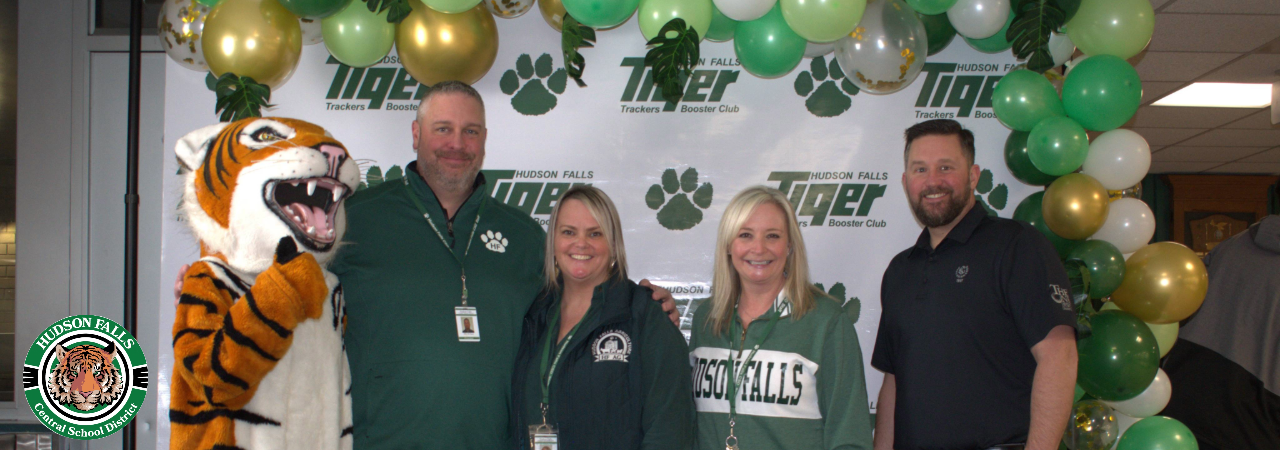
x: 553, y: 12
x: 252, y: 38
x: 1075, y: 206
x: 1164, y: 282
x: 435, y: 47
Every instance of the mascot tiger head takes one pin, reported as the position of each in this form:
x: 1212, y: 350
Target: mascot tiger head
x: 85, y: 377
x: 251, y: 182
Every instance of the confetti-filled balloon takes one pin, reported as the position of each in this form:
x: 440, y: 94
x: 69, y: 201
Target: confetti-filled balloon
x: 181, y: 27
x: 508, y: 9
x: 887, y: 49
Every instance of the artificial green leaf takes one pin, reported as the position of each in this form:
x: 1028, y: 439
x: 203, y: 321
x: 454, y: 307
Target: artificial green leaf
x: 673, y: 57
x: 240, y: 97
x: 399, y: 9
x: 210, y: 81
x: 574, y: 36
x: 1033, y: 22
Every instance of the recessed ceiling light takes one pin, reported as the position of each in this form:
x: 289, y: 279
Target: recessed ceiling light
x: 1220, y: 95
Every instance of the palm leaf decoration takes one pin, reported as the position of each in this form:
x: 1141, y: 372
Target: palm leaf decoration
x: 673, y: 57
x: 240, y: 97
x: 1029, y: 33
x: 399, y: 9
x: 573, y: 36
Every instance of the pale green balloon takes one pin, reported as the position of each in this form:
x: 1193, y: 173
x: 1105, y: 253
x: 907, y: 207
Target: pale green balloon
x: 654, y: 14
x: 451, y: 6
x: 356, y: 36
x: 1112, y: 27
x: 824, y: 20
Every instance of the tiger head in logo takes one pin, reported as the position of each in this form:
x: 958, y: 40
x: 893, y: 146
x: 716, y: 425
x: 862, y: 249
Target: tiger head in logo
x: 85, y: 377
x: 252, y: 182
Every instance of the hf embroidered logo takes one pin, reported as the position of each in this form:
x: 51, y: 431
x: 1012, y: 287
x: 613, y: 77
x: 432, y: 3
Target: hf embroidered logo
x: 85, y: 377
x: 961, y: 272
x: 1061, y: 296
x: 612, y: 346
x: 494, y: 241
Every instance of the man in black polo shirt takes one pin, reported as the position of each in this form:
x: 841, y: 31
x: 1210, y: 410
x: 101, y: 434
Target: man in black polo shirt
x: 976, y: 339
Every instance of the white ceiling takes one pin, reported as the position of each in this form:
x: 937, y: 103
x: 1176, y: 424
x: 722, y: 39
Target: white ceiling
x: 1219, y: 41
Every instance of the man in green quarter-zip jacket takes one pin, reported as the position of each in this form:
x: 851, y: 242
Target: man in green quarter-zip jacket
x: 437, y: 278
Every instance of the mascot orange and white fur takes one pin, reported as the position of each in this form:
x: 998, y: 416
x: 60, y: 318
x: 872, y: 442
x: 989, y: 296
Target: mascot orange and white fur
x: 257, y: 339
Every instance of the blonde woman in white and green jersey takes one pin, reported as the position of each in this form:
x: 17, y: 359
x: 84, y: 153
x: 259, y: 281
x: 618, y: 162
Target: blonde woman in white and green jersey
x: 776, y: 363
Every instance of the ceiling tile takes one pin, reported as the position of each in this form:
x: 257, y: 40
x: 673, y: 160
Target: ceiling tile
x: 1180, y: 167
x: 1177, y: 66
x: 1269, y: 156
x: 1212, y: 32
x: 1185, y: 117
x: 1166, y: 136
x: 1270, y: 47
x: 1227, y: 7
x: 1260, y: 120
x: 1154, y: 90
x: 1259, y: 168
x: 1255, y: 68
x: 1236, y: 138
x: 1204, y: 154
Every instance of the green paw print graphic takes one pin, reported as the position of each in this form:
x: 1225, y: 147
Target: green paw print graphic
x: 827, y: 100
x: 996, y: 198
x: 374, y: 176
x: 852, y: 307
x: 533, y: 99
x: 679, y: 213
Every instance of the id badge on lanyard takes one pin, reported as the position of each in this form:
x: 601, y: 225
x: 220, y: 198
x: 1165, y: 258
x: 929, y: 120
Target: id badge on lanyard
x: 466, y: 317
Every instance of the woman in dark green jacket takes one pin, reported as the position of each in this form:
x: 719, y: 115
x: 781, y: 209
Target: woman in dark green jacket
x: 600, y: 366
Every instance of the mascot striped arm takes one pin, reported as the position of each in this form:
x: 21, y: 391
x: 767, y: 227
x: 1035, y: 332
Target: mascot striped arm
x: 257, y: 340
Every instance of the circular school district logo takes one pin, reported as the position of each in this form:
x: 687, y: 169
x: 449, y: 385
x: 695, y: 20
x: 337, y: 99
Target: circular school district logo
x: 85, y: 377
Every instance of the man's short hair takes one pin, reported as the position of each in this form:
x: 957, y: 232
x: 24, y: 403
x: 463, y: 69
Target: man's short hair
x: 448, y: 87
x: 940, y: 127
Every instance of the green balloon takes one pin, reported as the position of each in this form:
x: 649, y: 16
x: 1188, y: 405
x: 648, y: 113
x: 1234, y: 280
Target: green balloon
x: 939, y: 31
x: 1079, y: 394
x: 822, y: 20
x: 358, y: 37
x: 766, y: 47
x: 1023, y: 98
x: 654, y: 14
x: 1119, y: 28
x: 600, y: 13
x: 997, y: 42
x: 314, y: 9
x: 1102, y: 92
x: 1119, y: 359
x: 1030, y: 211
x: 451, y: 6
x: 1015, y: 156
x: 931, y: 7
x: 1105, y: 264
x: 209, y: 3
x: 1158, y: 433
x: 1057, y: 146
x: 721, y: 29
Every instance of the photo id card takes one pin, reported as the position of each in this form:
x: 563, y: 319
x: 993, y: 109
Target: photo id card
x: 543, y: 437
x: 468, y: 323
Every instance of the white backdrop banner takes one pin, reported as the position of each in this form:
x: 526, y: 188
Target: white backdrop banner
x: 837, y: 156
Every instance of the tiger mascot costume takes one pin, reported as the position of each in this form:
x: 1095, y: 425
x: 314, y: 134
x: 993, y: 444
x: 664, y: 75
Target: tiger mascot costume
x: 257, y: 339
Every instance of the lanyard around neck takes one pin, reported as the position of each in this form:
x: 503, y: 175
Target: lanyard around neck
x: 427, y: 216
x: 741, y: 374
x: 548, y: 366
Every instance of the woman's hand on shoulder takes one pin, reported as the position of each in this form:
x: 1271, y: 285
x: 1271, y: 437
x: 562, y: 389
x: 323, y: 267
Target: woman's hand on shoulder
x: 662, y: 295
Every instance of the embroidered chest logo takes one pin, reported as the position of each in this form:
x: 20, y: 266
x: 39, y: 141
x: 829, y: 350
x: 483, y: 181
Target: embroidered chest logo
x: 612, y: 345
x: 1061, y: 296
x: 961, y: 272
x: 494, y: 241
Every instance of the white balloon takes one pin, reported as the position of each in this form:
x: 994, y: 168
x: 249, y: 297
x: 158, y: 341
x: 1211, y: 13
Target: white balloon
x: 1118, y: 159
x: 311, y: 31
x: 181, y: 24
x: 1061, y: 48
x: 1150, y: 402
x: 1071, y: 64
x: 1129, y: 225
x: 814, y: 49
x: 978, y: 19
x: 508, y: 9
x: 744, y: 10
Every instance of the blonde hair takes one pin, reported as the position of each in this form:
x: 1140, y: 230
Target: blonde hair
x: 606, y: 215
x: 726, y: 287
